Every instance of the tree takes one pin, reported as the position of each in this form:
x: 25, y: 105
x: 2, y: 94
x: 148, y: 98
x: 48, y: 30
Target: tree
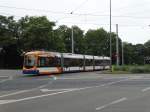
x: 65, y: 33
x: 97, y: 42
x: 79, y: 43
x: 7, y: 27
x: 9, y: 43
x: 147, y: 48
x: 37, y: 33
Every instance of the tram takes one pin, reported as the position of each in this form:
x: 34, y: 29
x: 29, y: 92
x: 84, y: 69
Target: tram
x: 44, y: 62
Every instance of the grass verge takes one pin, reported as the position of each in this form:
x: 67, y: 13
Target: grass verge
x: 129, y: 69
x: 132, y: 68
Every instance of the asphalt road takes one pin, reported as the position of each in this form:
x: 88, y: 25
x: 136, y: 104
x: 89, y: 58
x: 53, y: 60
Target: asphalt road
x: 74, y: 92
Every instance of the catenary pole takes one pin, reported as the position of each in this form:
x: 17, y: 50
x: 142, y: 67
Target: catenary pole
x: 72, y: 41
x: 117, y: 46
x: 110, y: 39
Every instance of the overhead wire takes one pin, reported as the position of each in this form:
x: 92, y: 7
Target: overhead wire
x: 78, y: 7
x: 78, y: 14
x: 89, y: 23
x: 75, y: 14
x: 29, y: 9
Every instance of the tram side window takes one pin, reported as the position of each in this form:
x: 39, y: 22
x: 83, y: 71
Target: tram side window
x: 106, y: 62
x: 66, y: 62
x: 89, y: 62
x: 48, y: 62
x: 77, y: 62
x: 81, y: 62
x: 69, y: 62
x: 98, y: 62
x: 58, y: 62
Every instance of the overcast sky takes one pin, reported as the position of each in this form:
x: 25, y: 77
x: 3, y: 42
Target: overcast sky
x: 132, y: 16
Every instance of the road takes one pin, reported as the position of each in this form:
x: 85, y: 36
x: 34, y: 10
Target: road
x: 74, y: 92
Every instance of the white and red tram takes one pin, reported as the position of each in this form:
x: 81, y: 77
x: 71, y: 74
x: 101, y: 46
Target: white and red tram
x: 44, y: 62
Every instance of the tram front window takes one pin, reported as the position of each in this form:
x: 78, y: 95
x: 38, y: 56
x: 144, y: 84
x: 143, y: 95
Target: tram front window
x: 29, y: 61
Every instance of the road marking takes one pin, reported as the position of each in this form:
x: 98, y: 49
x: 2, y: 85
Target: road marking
x: 50, y: 90
x: 145, y: 89
x: 79, y: 77
x: 56, y: 93
x: 135, y: 77
x: 3, y: 80
x: 112, y: 103
x: 6, y: 101
x: 111, y: 83
x: 9, y: 78
x: 71, y: 78
x: 3, y: 76
x: 30, y: 98
x: 18, y: 92
x: 114, y: 77
x: 24, y: 91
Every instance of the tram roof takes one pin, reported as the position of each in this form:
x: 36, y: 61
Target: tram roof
x: 70, y: 55
x: 65, y: 55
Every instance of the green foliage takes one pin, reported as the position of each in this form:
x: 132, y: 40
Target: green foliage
x: 140, y: 69
x: 97, y: 42
x: 147, y: 48
x: 37, y: 33
x: 133, y: 68
x: 121, y: 68
x: 64, y: 34
x: 7, y: 29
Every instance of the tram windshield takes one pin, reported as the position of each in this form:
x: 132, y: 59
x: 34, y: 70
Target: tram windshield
x: 29, y: 61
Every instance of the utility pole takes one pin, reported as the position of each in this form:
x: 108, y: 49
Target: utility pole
x: 117, y: 46
x: 72, y: 41
x: 110, y: 40
x: 122, y: 54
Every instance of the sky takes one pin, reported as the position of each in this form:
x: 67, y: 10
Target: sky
x: 132, y: 16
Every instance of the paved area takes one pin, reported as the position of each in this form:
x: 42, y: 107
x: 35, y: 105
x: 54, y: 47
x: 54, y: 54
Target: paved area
x: 74, y: 92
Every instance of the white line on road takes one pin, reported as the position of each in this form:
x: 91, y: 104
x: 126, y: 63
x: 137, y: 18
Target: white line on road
x: 9, y: 78
x: 24, y: 91
x: 30, y: 98
x: 110, y: 83
x: 78, y: 89
x: 72, y: 78
x: 112, y: 103
x: 6, y: 101
x: 3, y: 80
x: 135, y: 77
x: 3, y: 76
x: 145, y: 89
x: 50, y: 90
x: 79, y: 77
x: 18, y: 92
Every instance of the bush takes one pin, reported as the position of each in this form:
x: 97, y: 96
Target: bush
x: 121, y: 68
x: 140, y: 69
x: 133, y: 69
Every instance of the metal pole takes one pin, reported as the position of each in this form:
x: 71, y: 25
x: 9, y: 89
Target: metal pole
x: 110, y: 40
x: 72, y: 39
x: 117, y: 46
x: 122, y: 53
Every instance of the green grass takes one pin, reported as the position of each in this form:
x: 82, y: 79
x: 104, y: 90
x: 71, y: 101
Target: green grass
x: 131, y: 69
